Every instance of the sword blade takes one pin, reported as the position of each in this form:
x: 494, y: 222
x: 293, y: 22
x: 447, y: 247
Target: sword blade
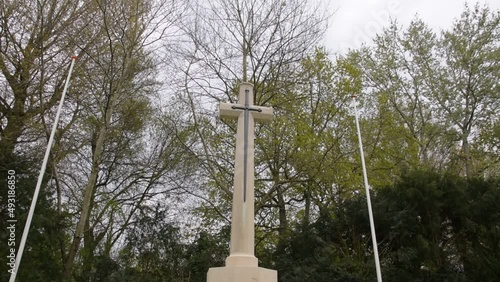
x: 245, y: 149
x: 245, y: 157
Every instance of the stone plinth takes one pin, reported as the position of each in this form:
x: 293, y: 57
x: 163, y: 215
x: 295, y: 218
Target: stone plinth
x: 241, y: 274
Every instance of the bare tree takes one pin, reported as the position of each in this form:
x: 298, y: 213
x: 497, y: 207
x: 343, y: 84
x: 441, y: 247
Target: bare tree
x: 228, y: 41
x: 120, y: 172
x: 251, y: 40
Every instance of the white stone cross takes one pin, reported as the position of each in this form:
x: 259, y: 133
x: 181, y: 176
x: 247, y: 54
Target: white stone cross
x: 242, y: 220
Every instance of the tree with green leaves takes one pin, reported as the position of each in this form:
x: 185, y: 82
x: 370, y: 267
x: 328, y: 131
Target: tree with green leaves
x: 34, y: 55
x: 467, y: 91
x: 397, y: 71
x: 437, y: 91
x: 301, y: 150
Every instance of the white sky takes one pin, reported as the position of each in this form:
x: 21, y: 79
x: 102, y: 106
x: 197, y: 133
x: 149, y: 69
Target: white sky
x: 357, y: 21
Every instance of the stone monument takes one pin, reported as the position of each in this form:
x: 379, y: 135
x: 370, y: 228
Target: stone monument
x: 242, y: 265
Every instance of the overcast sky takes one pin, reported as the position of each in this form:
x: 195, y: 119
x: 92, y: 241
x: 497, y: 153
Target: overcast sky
x: 357, y: 21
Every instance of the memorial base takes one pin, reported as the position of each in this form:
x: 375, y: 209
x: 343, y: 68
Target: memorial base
x: 241, y: 274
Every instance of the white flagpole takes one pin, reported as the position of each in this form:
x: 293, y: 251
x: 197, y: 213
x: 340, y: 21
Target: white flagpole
x: 40, y: 177
x: 367, y: 188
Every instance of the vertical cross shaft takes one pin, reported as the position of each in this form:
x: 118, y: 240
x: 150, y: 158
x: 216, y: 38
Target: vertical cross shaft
x: 242, y: 220
x: 246, y: 109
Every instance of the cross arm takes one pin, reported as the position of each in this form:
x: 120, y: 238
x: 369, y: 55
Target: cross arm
x: 261, y: 114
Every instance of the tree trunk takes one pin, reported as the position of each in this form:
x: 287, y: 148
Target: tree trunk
x: 466, y: 150
x: 13, y: 130
x: 307, y: 209
x: 283, y: 222
x: 87, y: 200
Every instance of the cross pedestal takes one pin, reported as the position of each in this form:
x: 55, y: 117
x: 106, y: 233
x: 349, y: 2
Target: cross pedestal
x: 242, y: 265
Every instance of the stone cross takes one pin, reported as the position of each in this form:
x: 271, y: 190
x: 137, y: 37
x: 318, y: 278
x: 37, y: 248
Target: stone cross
x: 242, y: 265
x: 242, y: 220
